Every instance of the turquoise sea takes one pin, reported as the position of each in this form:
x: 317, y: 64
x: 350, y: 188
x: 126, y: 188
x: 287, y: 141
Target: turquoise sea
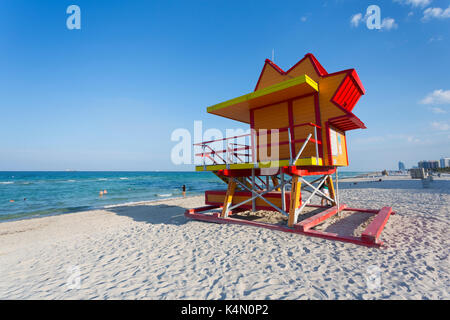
x: 46, y: 193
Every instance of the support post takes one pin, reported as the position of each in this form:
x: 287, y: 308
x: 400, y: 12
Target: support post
x: 331, y: 188
x: 254, y: 189
x: 283, y: 192
x: 275, y: 182
x: 295, y: 200
x: 228, y: 198
x: 290, y: 146
x: 337, y: 192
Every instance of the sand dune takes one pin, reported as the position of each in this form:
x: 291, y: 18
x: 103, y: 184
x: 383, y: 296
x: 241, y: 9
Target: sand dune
x: 149, y: 250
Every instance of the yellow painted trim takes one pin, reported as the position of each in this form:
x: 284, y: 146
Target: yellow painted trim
x: 271, y: 89
x: 211, y: 167
x: 312, y: 161
x: 242, y: 166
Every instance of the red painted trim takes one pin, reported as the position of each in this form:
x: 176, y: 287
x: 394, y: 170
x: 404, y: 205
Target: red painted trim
x: 252, y: 132
x: 235, y: 137
x: 270, y: 195
x: 346, y: 149
x: 313, y: 221
x: 309, y: 170
x: 260, y: 75
x: 320, y: 70
x: 291, y: 127
x: 362, y: 210
x: 358, y: 81
x: 327, y: 131
x: 343, y: 121
x: 338, y: 72
x: 373, y: 230
x: 197, y: 215
x: 318, y: 121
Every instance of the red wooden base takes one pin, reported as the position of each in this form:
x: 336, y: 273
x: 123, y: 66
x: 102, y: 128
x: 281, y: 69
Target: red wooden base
x: 369, y: 237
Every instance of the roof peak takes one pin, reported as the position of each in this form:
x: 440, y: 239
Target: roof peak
x: 317, y: 66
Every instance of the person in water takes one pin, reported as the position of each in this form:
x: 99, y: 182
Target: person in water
x: 183, y: 188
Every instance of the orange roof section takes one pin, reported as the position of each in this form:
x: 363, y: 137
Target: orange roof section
x: 239, y: 108
x: 275, y: 85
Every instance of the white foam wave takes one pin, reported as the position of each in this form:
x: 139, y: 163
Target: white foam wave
x: 164, y: 195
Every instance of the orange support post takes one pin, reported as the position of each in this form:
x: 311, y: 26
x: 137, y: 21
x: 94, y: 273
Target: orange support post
x: 296, y: 198
x: 275, y: 182
x: 228, y: 197
x: 331, y: 188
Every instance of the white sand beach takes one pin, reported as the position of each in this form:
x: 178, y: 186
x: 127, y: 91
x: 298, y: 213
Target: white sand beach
x: 148, y: 250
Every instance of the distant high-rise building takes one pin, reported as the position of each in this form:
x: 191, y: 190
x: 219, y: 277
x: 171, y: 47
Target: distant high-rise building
x: 445, y: 162
x: 401, y: 166
x: 430, y: 164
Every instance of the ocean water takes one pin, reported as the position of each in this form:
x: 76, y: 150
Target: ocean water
x: 45, y: 193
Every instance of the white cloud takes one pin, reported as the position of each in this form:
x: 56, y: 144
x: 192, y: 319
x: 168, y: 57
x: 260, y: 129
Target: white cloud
x: 438, y: 110
x: 388, y: 24
x: 415, y: 3
x: 436, y: 13
x: 356, y: 19
x: 437, y: 97
x: 436, y: 38
x: 441, y: 126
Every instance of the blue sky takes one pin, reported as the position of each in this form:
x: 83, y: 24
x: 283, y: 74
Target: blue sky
x: 108, y: 96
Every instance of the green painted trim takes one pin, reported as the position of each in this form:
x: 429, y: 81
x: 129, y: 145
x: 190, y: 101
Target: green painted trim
x: 271, y: 89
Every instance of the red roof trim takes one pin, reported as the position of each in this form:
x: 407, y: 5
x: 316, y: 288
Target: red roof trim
x: 322, y: 73
x: 358, y: 81
x: 344, y: 122
x: 260, y: 75
x: 275, y: 66
x: 316, y: 64
x: 320, y: 70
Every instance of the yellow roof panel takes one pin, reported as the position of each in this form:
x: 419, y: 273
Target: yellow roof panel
x: 239, y: 108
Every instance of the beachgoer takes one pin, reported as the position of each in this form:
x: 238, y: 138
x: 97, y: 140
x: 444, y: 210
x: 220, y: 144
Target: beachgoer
x: 105, y: 192
x: 183, y: 188
x: 101, y: 194
x: 324, y: 189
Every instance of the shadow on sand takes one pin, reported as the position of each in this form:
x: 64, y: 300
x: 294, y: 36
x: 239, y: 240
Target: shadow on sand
x: 154, y: 214
x: 174, y: 215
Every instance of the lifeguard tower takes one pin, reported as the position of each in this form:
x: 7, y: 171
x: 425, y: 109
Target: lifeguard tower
x: 298, y: 120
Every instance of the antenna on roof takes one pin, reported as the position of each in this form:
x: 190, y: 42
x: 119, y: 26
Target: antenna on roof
x: 273, y: 55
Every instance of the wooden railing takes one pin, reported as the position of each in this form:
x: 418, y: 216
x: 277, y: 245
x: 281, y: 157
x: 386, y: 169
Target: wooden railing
x: 234, y: 152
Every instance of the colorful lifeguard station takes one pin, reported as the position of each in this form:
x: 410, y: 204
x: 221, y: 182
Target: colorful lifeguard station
x: 298, y: 120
